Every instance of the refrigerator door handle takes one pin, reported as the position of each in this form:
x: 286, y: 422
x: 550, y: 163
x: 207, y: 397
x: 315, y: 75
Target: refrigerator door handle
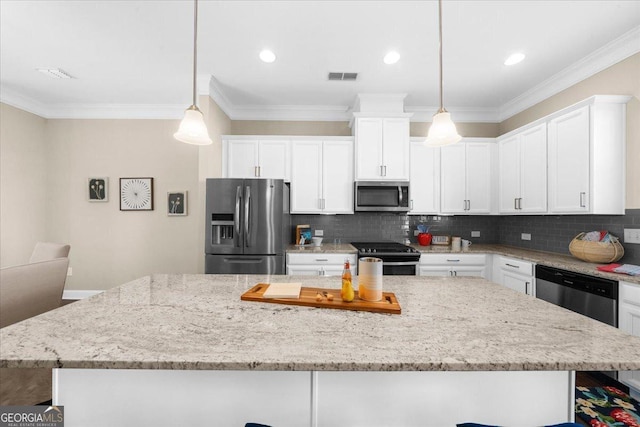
x: 236, y: 217
x: 247, y: 216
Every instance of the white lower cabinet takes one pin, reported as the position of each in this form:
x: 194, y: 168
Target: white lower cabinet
x: 320, y: 264
x: 454, y: 264
x: 629, y: 321
x: 514, y: 273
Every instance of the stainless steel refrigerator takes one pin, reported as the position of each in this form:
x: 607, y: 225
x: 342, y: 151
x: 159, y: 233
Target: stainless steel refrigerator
x: 247, y: 226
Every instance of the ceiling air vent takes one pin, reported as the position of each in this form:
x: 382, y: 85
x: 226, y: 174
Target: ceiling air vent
x: 343, y: 76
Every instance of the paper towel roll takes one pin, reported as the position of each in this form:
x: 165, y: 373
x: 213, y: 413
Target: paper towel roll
x: 370, y: 279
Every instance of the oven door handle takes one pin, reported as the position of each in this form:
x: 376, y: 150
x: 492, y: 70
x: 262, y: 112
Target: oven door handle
x: 400, y: 263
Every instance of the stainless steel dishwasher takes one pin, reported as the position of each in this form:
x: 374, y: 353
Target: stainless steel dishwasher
x: 594, y: 297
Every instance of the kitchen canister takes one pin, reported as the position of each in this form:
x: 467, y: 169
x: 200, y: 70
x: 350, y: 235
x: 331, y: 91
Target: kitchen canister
x: 455, y: 244
x: 370, y: 279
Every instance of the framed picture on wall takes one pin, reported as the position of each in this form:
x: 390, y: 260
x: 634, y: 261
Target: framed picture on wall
x: 136, y: 194
x: 98, y: 189
x: 177, y: 203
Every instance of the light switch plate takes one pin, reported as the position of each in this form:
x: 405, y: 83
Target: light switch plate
x: 632, y: 235
x: 525, y: 236
x: 319, y: 233
x: 69, y: 271
x: 475, y: 234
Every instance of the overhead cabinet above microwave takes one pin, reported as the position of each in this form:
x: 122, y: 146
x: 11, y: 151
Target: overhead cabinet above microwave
x: 382, y: 148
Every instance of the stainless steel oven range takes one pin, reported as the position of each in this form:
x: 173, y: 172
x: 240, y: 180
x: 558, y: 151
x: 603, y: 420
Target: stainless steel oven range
x: 397, y: 259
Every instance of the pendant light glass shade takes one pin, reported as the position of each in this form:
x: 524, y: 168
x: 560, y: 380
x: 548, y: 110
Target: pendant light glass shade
x: 192, y: 129
x: 442, y: 131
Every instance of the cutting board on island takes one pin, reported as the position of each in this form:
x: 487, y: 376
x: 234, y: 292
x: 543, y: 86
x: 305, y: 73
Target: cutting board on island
x: 309, y: 298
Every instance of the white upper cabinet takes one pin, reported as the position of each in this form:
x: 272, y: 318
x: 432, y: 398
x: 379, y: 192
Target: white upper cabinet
x: 382, y: 148
x: 255, y: 157
x: 322, y: 176
x: 523, y: 171
x: 586, y: 157
x: 466, y: 177
x: 424, y: 178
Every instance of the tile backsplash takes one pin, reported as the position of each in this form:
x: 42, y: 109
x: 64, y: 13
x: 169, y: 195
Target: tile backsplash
x: 551, y: 233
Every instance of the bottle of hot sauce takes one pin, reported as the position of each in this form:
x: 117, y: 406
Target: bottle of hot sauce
x: 347, y: 293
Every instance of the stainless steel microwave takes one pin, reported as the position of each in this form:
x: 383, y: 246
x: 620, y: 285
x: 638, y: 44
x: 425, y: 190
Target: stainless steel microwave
x: 387, y: 196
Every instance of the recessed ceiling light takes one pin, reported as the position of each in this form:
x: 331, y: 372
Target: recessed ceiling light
x: 514, y: 59
x: 55, y: 73
x: 391, y: 57
x: 267, y: 56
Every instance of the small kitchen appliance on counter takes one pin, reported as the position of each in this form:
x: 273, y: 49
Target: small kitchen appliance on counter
x: 397, y: 259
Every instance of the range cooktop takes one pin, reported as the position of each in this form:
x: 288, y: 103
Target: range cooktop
x: 382, y: 248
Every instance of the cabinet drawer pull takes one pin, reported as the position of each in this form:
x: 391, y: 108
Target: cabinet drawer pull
x: 453, y: 260
x: 511, y: 265
x: 582, y: 197
x: 322, y: 260
x: 515, y: 203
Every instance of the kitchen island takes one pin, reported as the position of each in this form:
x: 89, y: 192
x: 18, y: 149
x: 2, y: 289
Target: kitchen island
x: 463, y: 349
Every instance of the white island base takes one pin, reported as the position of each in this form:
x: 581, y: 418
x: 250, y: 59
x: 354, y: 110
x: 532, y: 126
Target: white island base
x: 138, y: 397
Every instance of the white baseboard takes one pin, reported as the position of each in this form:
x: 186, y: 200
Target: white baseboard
x: 75, y: 295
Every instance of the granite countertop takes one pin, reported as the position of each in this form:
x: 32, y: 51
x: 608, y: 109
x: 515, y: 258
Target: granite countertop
x: 550, y: 259
x: 192, y: 321
x: 325, y: 248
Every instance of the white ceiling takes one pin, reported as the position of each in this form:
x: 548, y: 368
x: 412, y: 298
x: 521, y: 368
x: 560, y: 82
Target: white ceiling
x: 133, y: 58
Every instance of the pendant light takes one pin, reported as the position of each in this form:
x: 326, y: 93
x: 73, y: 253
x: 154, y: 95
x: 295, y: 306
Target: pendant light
x: 442, y: 131
x: 192, y: 129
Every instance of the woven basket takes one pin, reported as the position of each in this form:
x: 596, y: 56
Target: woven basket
x: 598, y: 252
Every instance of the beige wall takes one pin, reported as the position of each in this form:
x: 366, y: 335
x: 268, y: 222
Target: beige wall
x: 620, y: 79
x: 108, y: 246
x: 478, y: 130
x: 24, y: 184
x: 266, y: 127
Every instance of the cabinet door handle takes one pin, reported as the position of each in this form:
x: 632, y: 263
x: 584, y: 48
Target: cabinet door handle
x: 385, y: 170
x: 324, y: 204
x: 582, y: 197
x: 411, y: 204
x: 381, y: 171
x: 520, y: 203
x: 259, y: 171
x: 526, y: 288
x: 515, y: 203
x: 255, y: 171
x: 455, y: 273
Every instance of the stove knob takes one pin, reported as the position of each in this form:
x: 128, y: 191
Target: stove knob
x: 375, y: 250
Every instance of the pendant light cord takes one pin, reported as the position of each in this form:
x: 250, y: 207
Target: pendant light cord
x: 441, y: 110
x: 195, y: 47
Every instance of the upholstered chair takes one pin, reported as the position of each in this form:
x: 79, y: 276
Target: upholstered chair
x: 45, y: 251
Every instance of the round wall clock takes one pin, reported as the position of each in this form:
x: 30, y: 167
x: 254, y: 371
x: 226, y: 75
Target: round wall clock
x: 136, y: 194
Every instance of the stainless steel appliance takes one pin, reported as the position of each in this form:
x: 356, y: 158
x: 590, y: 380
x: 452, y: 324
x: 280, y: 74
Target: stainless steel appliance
x: 594, y: 297
x: 390, y: 196
x: 397, y: 259
x: 247, y: 226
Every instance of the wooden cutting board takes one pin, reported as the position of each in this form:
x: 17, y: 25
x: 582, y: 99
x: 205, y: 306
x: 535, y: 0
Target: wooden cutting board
x: 388, y: 304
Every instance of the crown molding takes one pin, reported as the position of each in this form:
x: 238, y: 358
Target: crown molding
x: 28, y: 104
x: 608, y: 55
x: 116, y: 111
